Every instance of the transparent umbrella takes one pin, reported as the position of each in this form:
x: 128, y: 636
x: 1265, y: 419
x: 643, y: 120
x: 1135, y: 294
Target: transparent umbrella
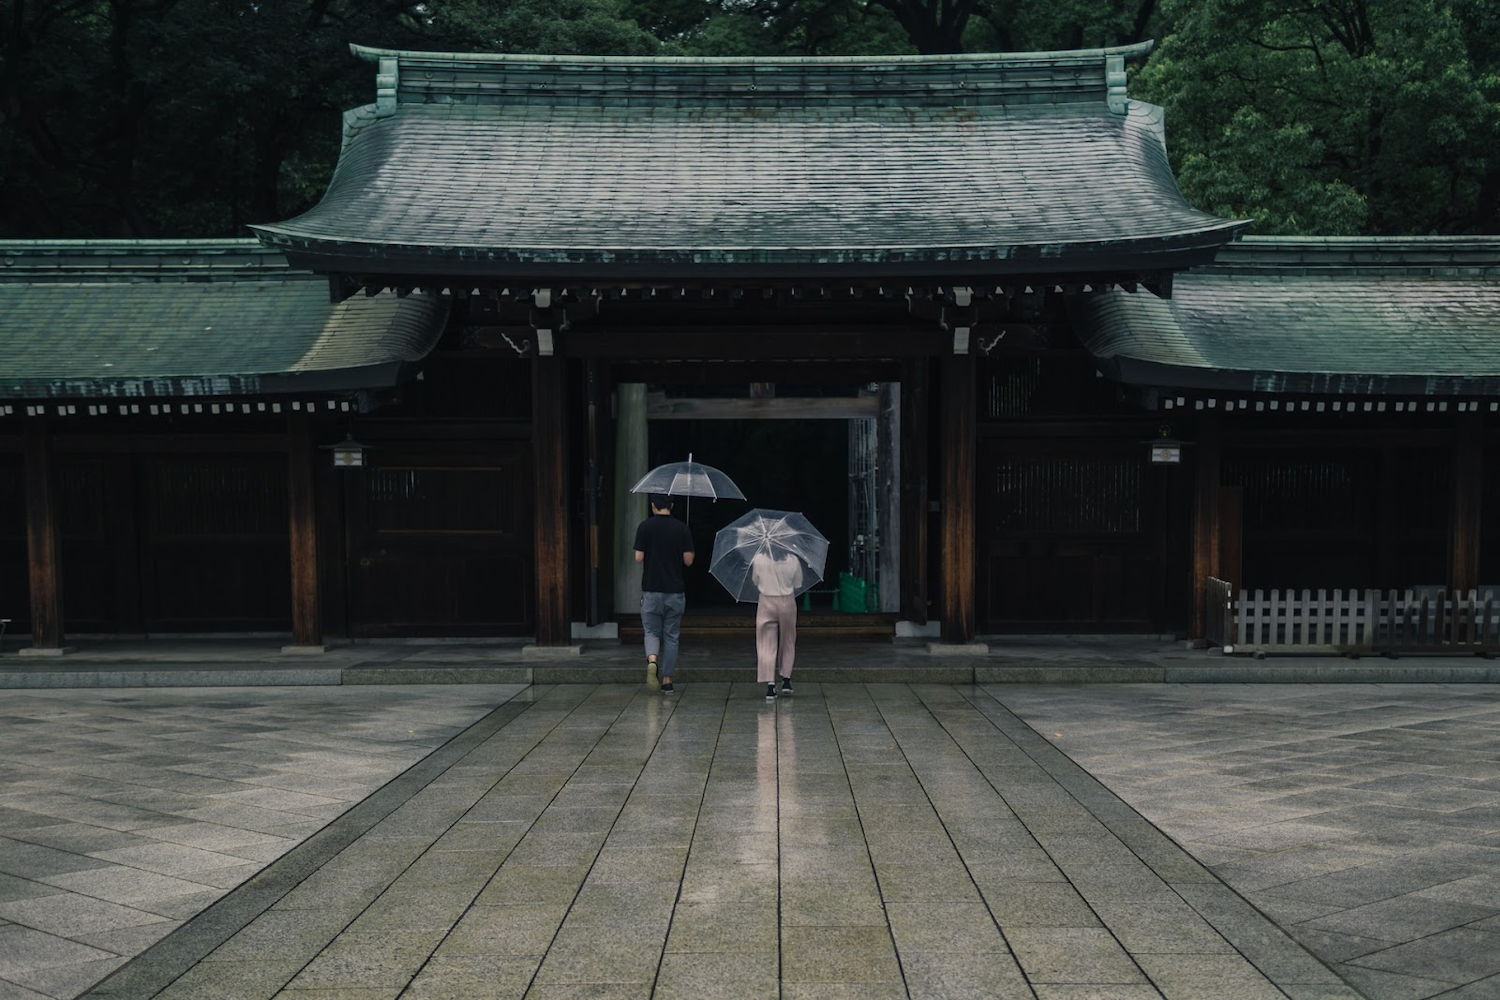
x: 689, y: 479
x: 776, y: 549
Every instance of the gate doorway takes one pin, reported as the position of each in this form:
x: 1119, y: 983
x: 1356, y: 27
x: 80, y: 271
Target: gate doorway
x: 829, y: 452
x: 779, y: 464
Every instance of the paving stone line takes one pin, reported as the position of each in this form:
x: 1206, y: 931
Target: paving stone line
x: 151, y: 971
x: 1278, y: 958
x: 879, y: 840
x: 1362, y: 819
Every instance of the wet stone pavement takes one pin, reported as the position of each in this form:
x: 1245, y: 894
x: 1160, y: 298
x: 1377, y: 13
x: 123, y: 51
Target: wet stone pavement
x: 1363, y: 818
x: 854, y: 840
x: 124, y: 813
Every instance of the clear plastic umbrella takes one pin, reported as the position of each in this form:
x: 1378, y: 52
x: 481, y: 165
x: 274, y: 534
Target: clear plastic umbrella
x: 688, y: 479
x: 778, y: 550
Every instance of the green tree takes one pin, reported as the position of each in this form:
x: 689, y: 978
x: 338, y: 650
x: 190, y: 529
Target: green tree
x: 1334, y: 116
x: 194, y: 117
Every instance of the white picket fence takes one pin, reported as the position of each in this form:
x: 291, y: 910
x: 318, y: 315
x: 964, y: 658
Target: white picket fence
x: 1425, y: 620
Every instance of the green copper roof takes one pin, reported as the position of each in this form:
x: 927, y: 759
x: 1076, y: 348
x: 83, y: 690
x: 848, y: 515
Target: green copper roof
x: 199, y: 318
x: 1332, y: 316
x: 597, y: 167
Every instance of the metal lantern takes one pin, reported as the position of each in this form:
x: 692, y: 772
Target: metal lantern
x: 348, y: 454
x: 1165, y: 449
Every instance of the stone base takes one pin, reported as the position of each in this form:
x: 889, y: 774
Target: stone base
x: 911, y: 630
x: 604, y: 630
x: 47, y: 650
x: 958, y: 648
x: 534, y: 652
x: 303, y: 650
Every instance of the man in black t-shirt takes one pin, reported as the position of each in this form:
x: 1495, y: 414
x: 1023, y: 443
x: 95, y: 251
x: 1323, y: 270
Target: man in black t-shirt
x: 663, y: 546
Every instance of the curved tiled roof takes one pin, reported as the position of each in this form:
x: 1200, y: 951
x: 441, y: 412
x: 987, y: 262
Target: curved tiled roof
x: 198, y: 318
x: 1341, y: 316
x: 938, y: 165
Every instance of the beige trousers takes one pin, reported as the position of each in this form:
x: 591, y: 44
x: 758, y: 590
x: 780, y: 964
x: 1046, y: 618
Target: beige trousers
x: 775, y: 637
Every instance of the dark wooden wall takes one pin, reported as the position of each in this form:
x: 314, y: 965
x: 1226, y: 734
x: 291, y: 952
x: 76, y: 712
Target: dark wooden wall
x: 438, y: 540
x: 1075, y: 530
x: 177, y: 542
x: 15, y: 588
x: 1341, y: 515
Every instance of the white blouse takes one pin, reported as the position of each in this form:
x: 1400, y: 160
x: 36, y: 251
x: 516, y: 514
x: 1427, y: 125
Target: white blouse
x: 776, y: 577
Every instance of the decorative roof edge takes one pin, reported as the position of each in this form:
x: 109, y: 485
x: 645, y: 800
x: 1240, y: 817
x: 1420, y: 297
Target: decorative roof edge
x: 1175, y: 378
x: 84, y: 261
x: 92, y: 247
x: 1442, y: 256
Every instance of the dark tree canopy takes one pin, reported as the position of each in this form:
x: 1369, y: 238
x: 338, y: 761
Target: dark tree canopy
x: 1337, y: 117
x: 193, y: 117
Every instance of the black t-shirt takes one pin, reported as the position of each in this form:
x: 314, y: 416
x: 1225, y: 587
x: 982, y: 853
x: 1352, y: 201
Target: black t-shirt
x: 664, y: 539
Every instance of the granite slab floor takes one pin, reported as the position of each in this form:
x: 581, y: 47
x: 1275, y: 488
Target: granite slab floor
x: 852, y: 841
x: 125, y: 813
x: 1364, y: 819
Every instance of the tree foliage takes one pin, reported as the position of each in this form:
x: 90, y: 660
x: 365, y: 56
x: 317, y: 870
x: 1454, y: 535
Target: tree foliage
x: 195, y: 117
x: 1334, y: 116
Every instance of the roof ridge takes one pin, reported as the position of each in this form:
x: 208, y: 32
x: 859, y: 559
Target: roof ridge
x: 375, y: 53
x: 1453, y: 256
x: 962, y: 79
x: 84, y: 261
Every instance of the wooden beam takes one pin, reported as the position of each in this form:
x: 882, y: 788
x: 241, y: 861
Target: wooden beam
x: 1206, y: 511
x: 914, y: 444
x: 1468, y: 502
x: 856, y: 372
x: 550, y: 454
x: 193, y: 444
x: 659, y: 407
x: 956, y: 562
x: 43, y: 539
x: 752, y: 343
x: 307, y: 609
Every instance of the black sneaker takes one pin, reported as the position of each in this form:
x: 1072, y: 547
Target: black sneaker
x: 666, y: 685
x: 786, y: 685
x: 770, y: 692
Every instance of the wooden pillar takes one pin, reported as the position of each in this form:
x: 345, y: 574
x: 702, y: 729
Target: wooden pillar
x: 1387, y: 521
x: 1206, y: 511
x: 1468, y: 500
x: 958, y: 437
x: 43, y: 540
x: 307, y: 609
x: 914, y: 444
x: 549, y: 445
x: 630, y: 508
x: 888, y: 466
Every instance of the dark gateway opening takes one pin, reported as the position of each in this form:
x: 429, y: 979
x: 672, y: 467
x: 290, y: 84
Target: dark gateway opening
x: 797, y: 465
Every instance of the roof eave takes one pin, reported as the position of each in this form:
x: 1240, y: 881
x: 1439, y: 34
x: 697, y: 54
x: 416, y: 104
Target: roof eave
x: 1159, y: 375
x: 564, y: 266
x: 335, y: 381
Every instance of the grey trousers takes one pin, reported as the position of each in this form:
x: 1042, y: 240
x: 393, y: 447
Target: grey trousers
x: 661, y: 618
x: 775, y: 637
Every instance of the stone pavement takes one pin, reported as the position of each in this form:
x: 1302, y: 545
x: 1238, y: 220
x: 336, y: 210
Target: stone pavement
x: 198, y: 662
x: 125, y: 813
x: 1364, y: 819
x: 881, y: 840
x: 869, y: 840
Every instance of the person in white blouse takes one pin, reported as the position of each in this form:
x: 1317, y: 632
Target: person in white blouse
x: 775, y: 618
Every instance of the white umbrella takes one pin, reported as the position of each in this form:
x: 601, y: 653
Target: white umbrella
x: 776, y: 547
x: 688, y: 479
